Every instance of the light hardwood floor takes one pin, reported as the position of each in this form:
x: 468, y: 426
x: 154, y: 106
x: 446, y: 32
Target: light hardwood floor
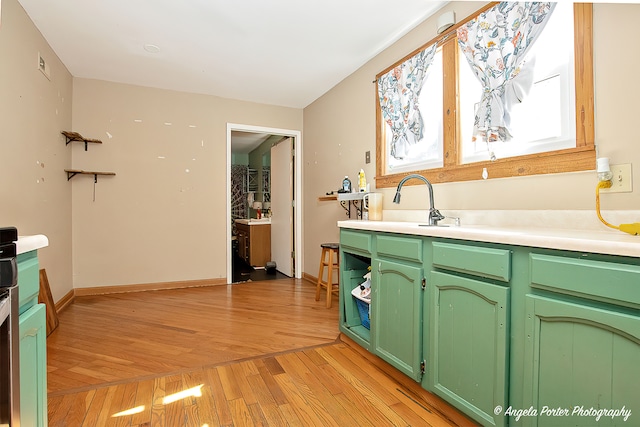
x: 256, y: 353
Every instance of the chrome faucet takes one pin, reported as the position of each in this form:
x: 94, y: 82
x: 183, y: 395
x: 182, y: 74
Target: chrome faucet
x: 434, y: 215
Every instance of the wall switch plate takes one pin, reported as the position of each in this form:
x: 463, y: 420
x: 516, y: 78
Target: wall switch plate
x: 367, y: 157
x: 621, y: 181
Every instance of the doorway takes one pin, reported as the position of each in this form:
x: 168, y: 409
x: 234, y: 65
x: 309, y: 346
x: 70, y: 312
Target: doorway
x: 257, y: 133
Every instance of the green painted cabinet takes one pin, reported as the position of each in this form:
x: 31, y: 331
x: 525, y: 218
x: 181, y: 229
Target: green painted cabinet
x: 355, y: 260
x: 33, y: 367
x: 579, y: 358
x: 470, y: 344
x: 583, y: 338
x: 33, y: 345
x: 396, y: 319
x: 469, y: 318
x: 502, y: 328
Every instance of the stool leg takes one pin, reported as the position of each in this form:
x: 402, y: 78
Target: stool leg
x: 329, y: 278
x: 320, y: 274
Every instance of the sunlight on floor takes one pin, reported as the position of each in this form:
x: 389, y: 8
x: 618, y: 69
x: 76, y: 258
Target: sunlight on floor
x: 191, y: 392
x: 132, y: 411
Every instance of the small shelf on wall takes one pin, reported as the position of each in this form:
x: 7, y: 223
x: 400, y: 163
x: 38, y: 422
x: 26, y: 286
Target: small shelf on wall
x: 73, y: 172
x: 75, y: 136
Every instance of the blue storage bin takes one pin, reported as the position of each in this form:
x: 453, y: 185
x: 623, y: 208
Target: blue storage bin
x: 363, y: 310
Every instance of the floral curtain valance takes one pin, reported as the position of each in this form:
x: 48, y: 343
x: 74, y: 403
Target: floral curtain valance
x: 398, y: 91
x: 495, y: 44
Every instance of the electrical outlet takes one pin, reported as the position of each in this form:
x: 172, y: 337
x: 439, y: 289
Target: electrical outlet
x: 621, y: 181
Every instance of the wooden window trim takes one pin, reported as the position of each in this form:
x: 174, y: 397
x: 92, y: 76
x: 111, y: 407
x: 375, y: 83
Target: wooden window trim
x: 580, y: 158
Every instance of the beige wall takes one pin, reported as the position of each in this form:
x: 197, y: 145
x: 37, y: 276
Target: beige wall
x: 35, y: 195
x: 339, y: 128
x: 157, y: 220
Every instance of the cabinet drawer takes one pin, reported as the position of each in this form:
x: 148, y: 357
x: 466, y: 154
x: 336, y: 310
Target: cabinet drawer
x: 355, y: 240
x: 598, y: 280
x: 479, y: 261
x: 400, y: 247
x: 28, y: 279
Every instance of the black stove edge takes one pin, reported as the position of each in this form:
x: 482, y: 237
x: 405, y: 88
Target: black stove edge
x: 8, y: 235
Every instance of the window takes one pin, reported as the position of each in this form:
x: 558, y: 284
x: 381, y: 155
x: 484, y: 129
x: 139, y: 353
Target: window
x: 561, y: 98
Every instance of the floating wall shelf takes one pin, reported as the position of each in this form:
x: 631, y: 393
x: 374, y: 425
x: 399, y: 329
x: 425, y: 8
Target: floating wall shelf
x: 73, y: 172
x: 75, y: 136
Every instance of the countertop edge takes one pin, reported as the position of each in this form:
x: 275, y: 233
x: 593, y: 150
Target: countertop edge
x: 606, y: 243
x: 31, y: 243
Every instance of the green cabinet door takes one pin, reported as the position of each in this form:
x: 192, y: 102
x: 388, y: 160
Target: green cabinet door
x: 469, y: 345
x: 581, y: 359
x: 396, y: 315
x: 33, y: 367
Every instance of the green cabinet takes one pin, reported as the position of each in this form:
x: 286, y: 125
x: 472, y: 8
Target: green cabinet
x: 469, y: 317
x: 33, y: 345
x: 355, y: 260
x: 470, y: 343
x: 501, y: 329
x: 580, y: 357
x: 583, y: 338
x: 33, y: 367
x: 396, y: 319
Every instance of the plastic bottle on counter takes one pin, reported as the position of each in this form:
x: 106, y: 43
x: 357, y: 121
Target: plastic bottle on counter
x: 346, y: 185
x: 362, y: 181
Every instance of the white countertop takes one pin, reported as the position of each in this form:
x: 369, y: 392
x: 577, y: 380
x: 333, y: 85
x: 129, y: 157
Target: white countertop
x: 604, y: 242
x: 31, y: 243
x: 254, y: 221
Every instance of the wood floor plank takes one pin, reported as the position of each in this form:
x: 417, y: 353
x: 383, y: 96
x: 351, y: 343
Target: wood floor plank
x: 273, y: 415
x: 269, y: 380
x: 246, y: 391
x: 257, y: 416
x: 104, y: 415
x: 307, y: 409
x: 157, y: 407
x: 143, y: 400
x: 240, y: 413
x: 94, y: 410
x: 229, y: 383
x: 362, y: 416
x: 318, y: 393
x: 174, y: 411
x: 290, y: 415
x: 223, y: 411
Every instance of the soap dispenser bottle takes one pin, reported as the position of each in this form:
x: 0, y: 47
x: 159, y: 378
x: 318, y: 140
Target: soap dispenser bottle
x: 346, y: 185
x: 362, y: 181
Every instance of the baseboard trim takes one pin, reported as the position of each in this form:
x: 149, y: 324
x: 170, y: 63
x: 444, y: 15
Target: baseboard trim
x: 104, y: 290
x: 309, y: 278
x: 65, y: 301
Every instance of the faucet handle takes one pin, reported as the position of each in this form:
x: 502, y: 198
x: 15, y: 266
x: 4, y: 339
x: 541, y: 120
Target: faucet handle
x: 435, y: 216
x: 455, y: 219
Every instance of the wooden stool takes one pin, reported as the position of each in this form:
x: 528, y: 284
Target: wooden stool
x: 329, y: 250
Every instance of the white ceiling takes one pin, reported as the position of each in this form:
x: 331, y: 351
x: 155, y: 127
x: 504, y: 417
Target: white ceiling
x: 280, y: 52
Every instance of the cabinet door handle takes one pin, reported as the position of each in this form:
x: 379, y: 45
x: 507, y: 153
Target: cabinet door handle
x: 33, y: 332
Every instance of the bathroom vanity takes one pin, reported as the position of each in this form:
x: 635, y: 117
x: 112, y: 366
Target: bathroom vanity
x: 254, y: 240
x: 493, y: 318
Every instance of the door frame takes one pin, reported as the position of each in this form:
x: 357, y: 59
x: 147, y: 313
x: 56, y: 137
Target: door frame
x: 297, y: 210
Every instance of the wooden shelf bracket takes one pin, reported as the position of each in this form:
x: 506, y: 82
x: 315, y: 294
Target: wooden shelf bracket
x: 75, y: 136
x: 73, y: 172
